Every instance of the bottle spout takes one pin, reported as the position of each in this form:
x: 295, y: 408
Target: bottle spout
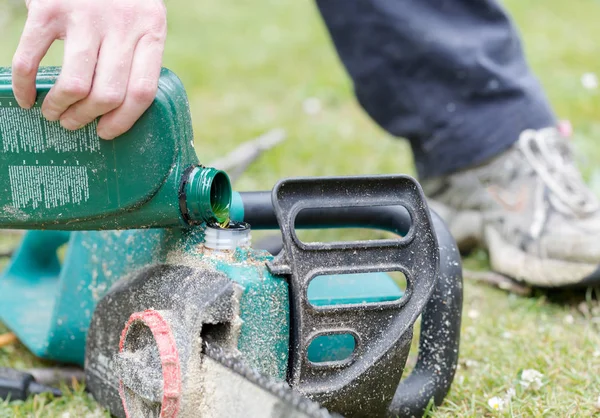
x: 205, y: 196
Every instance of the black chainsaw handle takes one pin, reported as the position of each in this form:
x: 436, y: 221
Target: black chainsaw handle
x: 259, y: 213
x: 441, y: 318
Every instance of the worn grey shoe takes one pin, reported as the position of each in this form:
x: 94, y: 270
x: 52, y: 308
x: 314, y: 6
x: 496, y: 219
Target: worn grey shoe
x: 529, y: 207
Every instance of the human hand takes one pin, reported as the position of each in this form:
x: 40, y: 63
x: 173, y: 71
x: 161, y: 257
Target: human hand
x: 112, y: 59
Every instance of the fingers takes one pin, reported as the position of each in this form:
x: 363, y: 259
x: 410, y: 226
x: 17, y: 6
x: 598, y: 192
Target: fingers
x: 106, y: 43
x: 75, y: 80
x: 39, y: 33
x: 108, y: 87
x: 141, y: 90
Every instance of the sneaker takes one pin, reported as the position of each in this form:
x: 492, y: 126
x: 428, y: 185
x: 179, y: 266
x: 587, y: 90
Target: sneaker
x: 531, y: 210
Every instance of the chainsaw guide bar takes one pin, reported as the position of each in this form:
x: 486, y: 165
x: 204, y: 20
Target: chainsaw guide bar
x: 241, y: 391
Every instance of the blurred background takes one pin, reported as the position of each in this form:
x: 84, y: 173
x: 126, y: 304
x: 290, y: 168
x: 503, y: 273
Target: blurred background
x: 249, y: 67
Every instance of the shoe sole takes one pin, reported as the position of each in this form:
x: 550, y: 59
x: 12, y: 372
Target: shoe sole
x: 535, y: 271
x: 468, y: 230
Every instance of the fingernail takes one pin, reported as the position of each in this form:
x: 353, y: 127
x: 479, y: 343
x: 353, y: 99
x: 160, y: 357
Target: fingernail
x: 25, y: 105
x: 50, y: 115
x: 70, y: 124
x: 102, y: 133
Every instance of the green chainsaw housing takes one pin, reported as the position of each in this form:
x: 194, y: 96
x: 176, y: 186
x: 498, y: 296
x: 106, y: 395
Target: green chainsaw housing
x: 49, y: 302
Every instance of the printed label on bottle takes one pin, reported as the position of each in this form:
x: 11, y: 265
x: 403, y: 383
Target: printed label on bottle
x: 48, y: 186
x: 27, y: 131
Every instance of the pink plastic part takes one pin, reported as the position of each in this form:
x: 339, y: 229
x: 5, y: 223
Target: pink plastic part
x: 169, y: 359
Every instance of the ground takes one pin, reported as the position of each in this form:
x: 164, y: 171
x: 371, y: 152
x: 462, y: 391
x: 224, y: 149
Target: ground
x: 252, y: 66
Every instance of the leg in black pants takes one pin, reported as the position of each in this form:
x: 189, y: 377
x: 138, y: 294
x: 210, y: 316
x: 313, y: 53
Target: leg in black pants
x: 448, y: 75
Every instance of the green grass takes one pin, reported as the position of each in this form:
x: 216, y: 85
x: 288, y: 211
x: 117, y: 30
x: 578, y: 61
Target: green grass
x: 249, y: 66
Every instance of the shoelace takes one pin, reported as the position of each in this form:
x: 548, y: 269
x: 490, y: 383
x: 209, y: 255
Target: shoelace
x: 551, y: 158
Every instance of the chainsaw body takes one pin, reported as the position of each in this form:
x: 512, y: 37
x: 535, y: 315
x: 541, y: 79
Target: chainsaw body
x: 147, y: 311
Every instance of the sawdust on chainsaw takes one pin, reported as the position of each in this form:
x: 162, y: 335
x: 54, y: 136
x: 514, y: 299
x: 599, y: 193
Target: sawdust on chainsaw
x: 15, y: 213
x: 259, y: 346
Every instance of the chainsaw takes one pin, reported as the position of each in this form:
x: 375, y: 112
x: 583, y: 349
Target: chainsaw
x: 139, y: 266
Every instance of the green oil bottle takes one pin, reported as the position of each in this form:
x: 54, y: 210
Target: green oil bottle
x: 150, y: 177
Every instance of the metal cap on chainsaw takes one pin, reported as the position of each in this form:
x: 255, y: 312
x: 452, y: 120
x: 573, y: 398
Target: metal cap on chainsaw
x: 236, y: 235
x: 206, y: 196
